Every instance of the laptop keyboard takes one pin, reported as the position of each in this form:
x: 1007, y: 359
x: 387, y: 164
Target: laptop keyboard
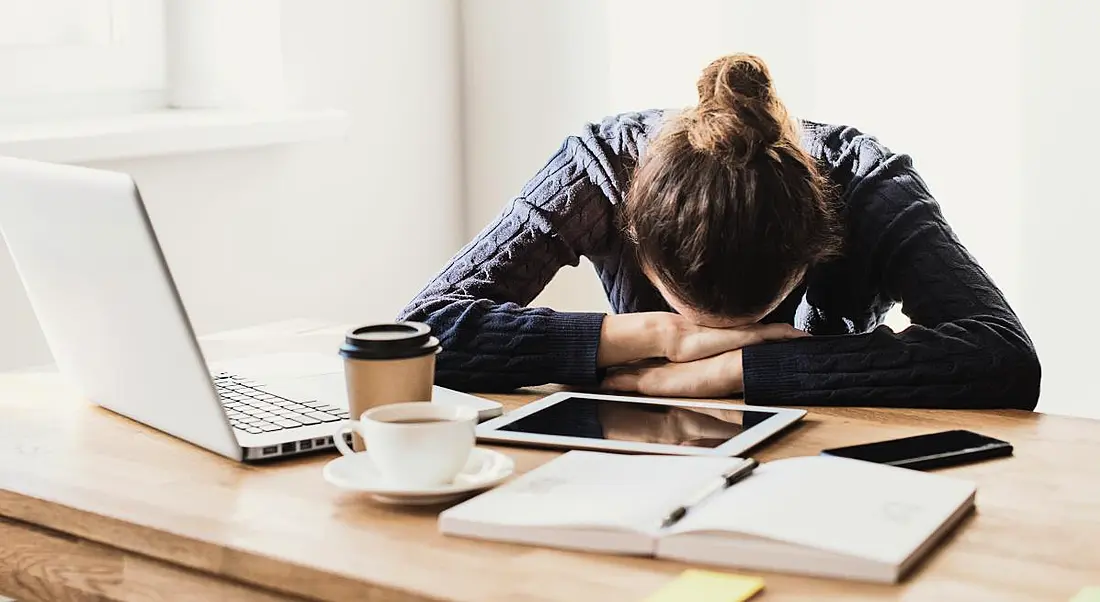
x: 253, y: 410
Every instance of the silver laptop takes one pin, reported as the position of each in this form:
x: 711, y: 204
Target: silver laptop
x: 106, y: 302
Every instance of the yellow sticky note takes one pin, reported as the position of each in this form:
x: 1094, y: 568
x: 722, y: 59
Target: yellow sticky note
x: 706, y: 586
x: 1088, y: 594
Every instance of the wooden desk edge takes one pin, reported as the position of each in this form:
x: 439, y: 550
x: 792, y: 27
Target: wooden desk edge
x: 39, y: 564
x: 231, y: 565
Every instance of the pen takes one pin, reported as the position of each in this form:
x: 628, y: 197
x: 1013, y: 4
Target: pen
x: 728, y: 478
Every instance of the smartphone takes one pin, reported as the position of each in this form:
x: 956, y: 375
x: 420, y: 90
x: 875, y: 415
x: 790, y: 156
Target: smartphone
x: 923, y: 452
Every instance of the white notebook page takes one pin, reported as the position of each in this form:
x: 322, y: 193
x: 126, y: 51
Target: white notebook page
x: 846, y: 506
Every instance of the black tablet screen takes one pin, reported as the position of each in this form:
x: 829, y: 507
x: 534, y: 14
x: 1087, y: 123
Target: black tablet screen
x: 639, y: 422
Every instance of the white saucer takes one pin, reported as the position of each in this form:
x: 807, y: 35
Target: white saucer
x: 484, y: 469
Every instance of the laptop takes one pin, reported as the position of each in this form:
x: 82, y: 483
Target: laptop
x: 105, y: 299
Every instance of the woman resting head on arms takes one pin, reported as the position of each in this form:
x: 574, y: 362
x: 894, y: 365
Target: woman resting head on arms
x: 748, y: 253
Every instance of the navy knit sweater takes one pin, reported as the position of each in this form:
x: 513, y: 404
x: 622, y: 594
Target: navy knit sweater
x: 965, y: 349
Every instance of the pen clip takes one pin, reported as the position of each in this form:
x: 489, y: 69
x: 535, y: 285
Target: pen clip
x: 741, y: 471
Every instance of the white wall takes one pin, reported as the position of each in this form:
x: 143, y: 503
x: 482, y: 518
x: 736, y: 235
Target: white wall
x: 344, y: 230
x: 1061, y: 210
x: 991, y: 98
x: 534, y: 72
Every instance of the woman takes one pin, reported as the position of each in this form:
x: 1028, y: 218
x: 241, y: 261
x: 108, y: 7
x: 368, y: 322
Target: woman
x: 747, y: 254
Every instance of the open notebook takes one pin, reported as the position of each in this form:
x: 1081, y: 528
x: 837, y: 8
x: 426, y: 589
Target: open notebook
x: 815, y: 515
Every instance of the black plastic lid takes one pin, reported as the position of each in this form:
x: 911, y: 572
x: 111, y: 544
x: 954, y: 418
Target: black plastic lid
x: 391, y: 341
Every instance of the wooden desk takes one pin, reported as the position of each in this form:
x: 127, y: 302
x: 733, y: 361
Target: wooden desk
x: 96, y: 507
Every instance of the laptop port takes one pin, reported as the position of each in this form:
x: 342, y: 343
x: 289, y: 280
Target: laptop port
x: 288, y: 448
x: 267, y: 451
x: 320, y: 442
x: 304, y: 445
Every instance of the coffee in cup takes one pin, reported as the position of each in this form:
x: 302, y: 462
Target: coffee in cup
x: 388, y: 363
x: 418, y: 444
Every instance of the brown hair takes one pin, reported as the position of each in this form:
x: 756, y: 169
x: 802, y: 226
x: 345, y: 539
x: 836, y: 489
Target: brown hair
x: 725, y: 208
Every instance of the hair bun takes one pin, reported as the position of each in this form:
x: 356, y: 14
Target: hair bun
x: 739, y: 112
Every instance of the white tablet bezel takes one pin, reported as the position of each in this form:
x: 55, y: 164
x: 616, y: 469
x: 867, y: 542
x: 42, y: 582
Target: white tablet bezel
x: 488, y: 431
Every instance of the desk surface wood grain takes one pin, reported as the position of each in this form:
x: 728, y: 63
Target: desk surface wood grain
x: 70, y: 468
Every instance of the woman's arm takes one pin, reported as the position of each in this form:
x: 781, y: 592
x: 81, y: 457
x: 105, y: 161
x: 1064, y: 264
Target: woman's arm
x: 627, y: 338
x: 965, y: 349
x: 476, y: 304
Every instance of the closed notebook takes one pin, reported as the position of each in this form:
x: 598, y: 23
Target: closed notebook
x: 814, y: 515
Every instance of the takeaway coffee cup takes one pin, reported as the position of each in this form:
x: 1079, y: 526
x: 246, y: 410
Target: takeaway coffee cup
x: 387, y: 363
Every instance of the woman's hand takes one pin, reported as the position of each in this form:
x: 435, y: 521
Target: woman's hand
x: 701, y: 361
x: 717, y: 376
x: 688, y: 342
x: 627, y: 338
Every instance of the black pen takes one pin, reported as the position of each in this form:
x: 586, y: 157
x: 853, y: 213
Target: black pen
x: 729, y: 478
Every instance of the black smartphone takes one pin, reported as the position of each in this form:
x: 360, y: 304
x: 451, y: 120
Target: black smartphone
x: 935, y: 450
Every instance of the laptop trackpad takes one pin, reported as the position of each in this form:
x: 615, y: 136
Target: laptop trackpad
x: 267, y: 367
x: 329, y: 388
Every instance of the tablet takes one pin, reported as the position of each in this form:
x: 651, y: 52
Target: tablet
x: 638, y: 425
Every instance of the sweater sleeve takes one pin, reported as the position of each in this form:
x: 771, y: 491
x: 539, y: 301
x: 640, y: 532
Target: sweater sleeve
x: 965, y: 348
x: 477, y: 304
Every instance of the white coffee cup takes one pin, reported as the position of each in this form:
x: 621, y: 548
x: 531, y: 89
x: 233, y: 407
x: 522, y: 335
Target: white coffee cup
x: 414, y: 444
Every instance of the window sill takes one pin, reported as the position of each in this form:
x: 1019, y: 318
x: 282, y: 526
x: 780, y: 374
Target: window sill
x: 166, y: 132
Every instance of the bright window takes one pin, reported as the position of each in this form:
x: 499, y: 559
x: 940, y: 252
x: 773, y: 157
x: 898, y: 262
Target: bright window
x: 80, y: 57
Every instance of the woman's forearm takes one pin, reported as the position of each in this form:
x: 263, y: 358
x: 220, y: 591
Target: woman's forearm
x: 626, y: 338
x: 489, y: 347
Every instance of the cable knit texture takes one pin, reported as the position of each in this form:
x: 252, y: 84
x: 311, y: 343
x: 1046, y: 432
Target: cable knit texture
x: 965, y: 349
